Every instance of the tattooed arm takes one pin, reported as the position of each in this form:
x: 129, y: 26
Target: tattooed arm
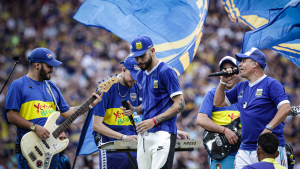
x: 177, y: 107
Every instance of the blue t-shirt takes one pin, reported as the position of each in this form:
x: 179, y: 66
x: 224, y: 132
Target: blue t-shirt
x: 258, y: 105
x: 34, y: 104
x: 219, y: 115
x: 267, y: 163
x: 158, y: 87
x: 109, y: 108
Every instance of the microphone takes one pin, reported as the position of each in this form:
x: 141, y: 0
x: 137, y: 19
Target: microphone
x: 16, y: 57
x: 125, y: 104
x: 235, y: 71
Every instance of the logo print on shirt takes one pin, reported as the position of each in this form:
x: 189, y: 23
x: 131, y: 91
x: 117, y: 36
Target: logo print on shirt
x: 133, y: 96
x: 233, y: 117
x: 44, y: 109
x: 155, y: 84
x: 258, y: 92
x: 120, y: 117
x: 241, y: 94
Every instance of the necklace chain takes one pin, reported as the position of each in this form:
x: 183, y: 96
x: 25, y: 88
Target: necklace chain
x: 119, y: 89
x: 32, y: 82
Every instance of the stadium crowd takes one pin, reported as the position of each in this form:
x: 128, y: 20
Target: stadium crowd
x: 90, y: 54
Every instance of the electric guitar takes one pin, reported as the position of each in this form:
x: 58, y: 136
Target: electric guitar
x: 37, y: 152
x: 217, y: 145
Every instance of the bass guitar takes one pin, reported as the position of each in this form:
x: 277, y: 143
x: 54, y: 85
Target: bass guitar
x: 37, y: 152
x: 217, y: 145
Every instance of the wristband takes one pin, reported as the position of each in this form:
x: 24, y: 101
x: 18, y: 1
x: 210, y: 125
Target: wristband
x: 90, y: 106
x: 224, y: 130
x: 133, y: 109
x: 124, y: 137
x: 155, y: 122
x: 223, y: 82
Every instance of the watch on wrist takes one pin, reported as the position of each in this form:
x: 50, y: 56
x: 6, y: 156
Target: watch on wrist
x: 32, y: 126
x: 269, y: 127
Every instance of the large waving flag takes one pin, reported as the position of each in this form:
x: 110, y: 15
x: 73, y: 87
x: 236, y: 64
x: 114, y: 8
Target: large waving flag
x: 282, y: 32
x: 175, y: 27
x: 256, y: 13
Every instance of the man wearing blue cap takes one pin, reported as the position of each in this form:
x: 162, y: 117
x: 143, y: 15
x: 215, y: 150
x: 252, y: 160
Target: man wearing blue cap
x: 212, y: 118
x: 29, y: 102
x: 162, y: 101
x: 109, y: 119
x: 262, y: 102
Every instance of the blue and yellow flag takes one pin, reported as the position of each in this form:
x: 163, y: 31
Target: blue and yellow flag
x: 282, y: 33
x: 174, y: 26
x: 257, y: 13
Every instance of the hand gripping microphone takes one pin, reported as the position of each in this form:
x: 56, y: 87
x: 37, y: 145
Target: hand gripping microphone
x: 125, y: 104
x: 235, y: 71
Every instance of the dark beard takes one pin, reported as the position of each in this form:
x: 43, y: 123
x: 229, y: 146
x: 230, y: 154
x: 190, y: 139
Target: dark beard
x: 148, y: 63
x: 43, y: 74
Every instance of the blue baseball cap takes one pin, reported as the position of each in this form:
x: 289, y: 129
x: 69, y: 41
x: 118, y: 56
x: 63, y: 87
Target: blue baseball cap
x: 139, y: 45
x: 132, y: 66
x: 254, y: 54
x: 228, y: 59
x: 43, y: 55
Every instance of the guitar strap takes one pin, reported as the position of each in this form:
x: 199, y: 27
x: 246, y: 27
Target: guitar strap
x: 51, y: 93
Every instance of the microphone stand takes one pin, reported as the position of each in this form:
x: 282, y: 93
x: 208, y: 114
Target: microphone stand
x: 16, y: 58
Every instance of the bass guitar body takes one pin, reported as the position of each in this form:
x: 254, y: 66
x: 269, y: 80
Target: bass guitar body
x: 38, y: 152
x: 217, y: 145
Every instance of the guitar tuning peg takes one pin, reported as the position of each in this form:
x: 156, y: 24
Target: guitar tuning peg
x: 113, y: 80
x: 100, y: 86
x: 104, y: 84
x: 108, y: 82
x: 104, y: 87
x: 111, y: 75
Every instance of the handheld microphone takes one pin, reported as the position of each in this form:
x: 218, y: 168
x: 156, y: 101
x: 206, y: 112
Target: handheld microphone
x: 235, y: 71
x: 125, y: 104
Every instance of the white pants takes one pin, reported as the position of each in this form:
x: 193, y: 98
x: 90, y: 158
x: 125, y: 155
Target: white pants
x: 246, y: 157
x: 156, y: 150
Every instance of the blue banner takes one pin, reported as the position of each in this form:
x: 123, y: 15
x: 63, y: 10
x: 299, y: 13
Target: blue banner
x: 282, y: 33
x: 257, y: 13
x: 175, y: 27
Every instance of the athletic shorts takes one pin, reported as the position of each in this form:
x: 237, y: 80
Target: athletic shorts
x: 156, y: 150
x: 227, y: 162
x: 246, y: 157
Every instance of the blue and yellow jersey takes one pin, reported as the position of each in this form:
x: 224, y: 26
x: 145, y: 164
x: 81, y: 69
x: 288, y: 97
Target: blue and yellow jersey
x: 219, y: 115
x: 109, y: 108
x: 33, y: 101
x: 267, y: 163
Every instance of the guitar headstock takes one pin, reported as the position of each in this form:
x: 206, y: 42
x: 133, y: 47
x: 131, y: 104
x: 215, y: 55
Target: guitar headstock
x: 105, y: 84
x: 295, y: 111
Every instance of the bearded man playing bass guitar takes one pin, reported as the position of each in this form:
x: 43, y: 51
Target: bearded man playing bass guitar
x: 211, y: 118
x: 29, y: 102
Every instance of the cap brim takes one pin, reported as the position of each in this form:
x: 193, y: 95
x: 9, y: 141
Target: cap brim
x: 227, y: 61
x: 239, y: 56
x: 133, y: 75
x: 121, y: 62
x: 137, y: 54
x: 53, y: 63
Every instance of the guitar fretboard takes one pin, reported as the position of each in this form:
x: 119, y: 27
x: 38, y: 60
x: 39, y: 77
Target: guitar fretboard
x: 82, y: 109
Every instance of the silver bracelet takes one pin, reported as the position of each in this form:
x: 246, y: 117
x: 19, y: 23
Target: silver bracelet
x: 124, y: 137
x: 90, y: 106
x: 133, y: 109
x: 223, y: 82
